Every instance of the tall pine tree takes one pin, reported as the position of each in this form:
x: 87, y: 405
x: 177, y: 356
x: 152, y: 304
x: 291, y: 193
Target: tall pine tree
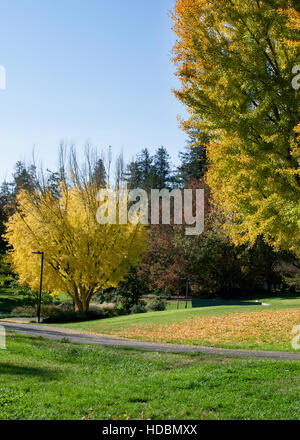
x: 162, y: 169
x: 193, y: 163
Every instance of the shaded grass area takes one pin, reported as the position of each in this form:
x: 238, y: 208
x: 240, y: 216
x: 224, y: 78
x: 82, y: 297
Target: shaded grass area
x: 128, y: 326
x: 11, y: 298
x: 40, y: 379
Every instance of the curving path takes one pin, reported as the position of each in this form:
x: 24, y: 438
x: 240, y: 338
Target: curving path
x: 79, y: 337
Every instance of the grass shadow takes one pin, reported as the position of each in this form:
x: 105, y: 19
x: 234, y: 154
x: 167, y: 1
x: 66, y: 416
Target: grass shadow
x: 15, y: 370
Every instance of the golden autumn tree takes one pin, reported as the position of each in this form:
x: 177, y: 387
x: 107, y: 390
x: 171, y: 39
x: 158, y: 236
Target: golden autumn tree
x: 236, y: 59
x: 81, y: 255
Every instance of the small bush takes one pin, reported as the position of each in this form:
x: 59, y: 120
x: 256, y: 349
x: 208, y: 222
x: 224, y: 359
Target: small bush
x: 108, y: 308
x: 105, y: 296
x: 140, y: 307
x: 24, y: 312
x: 121, y: 309
x: 130, y: 291
x: 58, y: 314
x: 55, y: 314
x: 64, y: 314
x: 96, y: 313
x: 156, y: 305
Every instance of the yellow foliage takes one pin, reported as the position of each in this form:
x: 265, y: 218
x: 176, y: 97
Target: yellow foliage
x: 235, y: 62
x: 81, y: 256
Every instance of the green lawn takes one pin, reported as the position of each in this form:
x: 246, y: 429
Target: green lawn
x: 172, y: 305
x: 181, y: 326
x: 143, y: 326
x: 40, y: 379
x: 171, y: 314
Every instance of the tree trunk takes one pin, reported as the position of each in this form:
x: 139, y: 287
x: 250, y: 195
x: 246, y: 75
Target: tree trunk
x: 82, y: 304
x: 78, y: 306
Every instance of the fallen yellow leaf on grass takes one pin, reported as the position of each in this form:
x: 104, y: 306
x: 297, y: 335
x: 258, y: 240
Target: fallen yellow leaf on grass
x: 271, y: 327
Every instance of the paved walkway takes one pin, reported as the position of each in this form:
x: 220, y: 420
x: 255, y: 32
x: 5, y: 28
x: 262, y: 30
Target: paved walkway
x: 79, y: 337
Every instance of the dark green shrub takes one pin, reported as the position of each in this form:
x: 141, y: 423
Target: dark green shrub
x: 64, y: 314
x: 156, y: 305
x: 96, y: 313
x: 140, y: 307
x: 105, y: 296
x: 129, y: 291
x: 57, y: 314
x: 121, y: 309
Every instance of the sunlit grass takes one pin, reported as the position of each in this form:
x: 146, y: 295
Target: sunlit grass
x: 266, y: 330
x: 251, y: 327
x: 41, y: 379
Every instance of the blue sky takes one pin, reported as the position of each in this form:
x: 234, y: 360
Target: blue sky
x: 86, y: 70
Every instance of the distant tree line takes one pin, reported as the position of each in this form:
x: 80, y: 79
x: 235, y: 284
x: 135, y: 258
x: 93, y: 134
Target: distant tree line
x: 212, y: 264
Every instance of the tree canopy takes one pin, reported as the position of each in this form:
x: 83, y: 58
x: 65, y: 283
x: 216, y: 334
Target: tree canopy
x: 235, y: 59
x: 81, y: 256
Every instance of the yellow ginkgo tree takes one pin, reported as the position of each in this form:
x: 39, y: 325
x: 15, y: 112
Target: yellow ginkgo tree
x: 237, y: 62
x: 81, y: 255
